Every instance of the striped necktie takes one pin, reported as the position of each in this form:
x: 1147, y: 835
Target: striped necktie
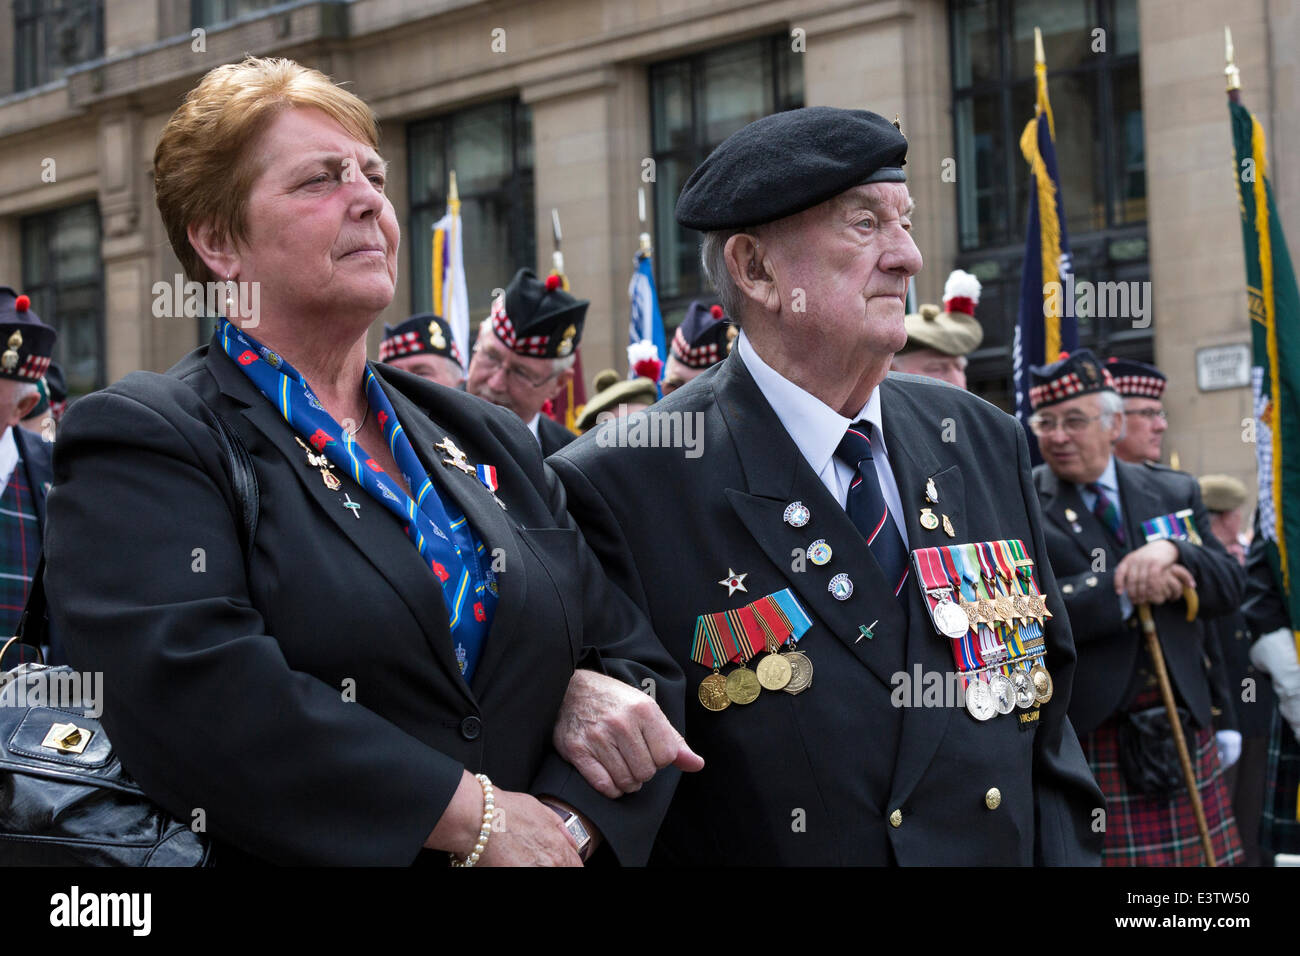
x: 867, y: 509
x: 1106, y: 511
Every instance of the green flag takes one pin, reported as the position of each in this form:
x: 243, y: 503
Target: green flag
x: 1275, y: 374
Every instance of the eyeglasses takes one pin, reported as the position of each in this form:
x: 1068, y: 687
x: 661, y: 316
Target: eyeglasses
x: 1149, y: 413
x: 492, y: 361
x: 1073, y: 424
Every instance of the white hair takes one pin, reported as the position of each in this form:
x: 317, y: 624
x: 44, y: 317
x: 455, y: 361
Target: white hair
x: 713, y: 257
x: 1112, y: 407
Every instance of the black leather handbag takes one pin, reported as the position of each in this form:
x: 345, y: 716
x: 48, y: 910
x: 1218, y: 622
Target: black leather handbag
x: 65, y: 799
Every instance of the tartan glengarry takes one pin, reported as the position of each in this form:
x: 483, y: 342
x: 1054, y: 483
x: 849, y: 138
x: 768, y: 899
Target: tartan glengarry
x: 20, y: 548
x: 1067, y: 386
x: 33, y: 367
x: 1139, y: 386
x: 399, y: 345
x: 701, y: 356
x: 505, y: 330
x: 1150, y: 831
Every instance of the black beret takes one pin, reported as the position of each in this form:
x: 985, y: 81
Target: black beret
x: 421, y: 334
x: 537, y: 317
x: 26, y: 340
x: 787, y: 162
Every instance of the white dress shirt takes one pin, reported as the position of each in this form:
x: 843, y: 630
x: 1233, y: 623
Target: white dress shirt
x: 534, y: 427
x: 8, y: 457
x: 817, y: 429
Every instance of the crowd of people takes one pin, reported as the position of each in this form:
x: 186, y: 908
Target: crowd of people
x: 440, y: 608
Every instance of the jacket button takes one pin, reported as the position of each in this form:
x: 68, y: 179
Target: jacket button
x: 993, y: 799
x: 1067, y: 588
x: 896, y: 819
x: 471, y: 727
x: 1091, y: 581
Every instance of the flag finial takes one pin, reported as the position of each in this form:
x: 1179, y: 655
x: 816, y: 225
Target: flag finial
x: 1230, y: 71
x: 453, y: 195
x: 1038, y: 46
x: 557, y: 257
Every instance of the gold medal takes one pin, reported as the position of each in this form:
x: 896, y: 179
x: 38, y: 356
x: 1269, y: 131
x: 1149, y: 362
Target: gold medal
x: 801, y: 672
x: 774, y: 672
x: 1042, y: 683
x: 713, y: 692
x: 928, y: 521
x: 742, y: 686
x: 331, y: 482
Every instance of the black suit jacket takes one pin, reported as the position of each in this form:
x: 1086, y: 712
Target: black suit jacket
x: 814, y: 778
x: 552, y: 436
x: 310, y: 702
x: 1084, y: 562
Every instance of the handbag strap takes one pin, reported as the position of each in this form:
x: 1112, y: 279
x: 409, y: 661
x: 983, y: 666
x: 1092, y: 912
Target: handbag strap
x: 34, y: 624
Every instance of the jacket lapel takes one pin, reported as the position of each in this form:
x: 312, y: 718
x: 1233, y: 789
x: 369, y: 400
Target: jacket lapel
x: 485, y: 516
x: 776, y: 475
x: 1138, y: 501
x: 912, y: 463
x: 373, y: 530
x: 1056, y: 498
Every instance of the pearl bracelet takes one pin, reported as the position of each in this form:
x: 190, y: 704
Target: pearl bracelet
x: 489, y: 808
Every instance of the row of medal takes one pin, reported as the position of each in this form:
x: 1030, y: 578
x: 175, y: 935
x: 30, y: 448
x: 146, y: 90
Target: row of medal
x: 765, y: 625
x: 983, y: 597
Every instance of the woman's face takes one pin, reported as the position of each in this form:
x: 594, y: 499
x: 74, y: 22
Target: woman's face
x: 320, y: 232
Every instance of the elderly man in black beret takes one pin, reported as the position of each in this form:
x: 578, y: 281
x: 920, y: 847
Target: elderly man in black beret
x: 423, y: 345
x: 843, y: 520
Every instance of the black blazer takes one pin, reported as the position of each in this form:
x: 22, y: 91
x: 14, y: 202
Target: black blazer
x: 1085, y: 561
x: 310, y: 703
x: 35, y: 454
x: 552, y: 436
x: 815, y: 778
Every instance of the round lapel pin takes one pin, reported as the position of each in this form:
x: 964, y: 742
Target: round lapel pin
x: 797, y: 514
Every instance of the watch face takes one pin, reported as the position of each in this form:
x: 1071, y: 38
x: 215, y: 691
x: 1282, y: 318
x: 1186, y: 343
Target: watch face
x: 577, y: 831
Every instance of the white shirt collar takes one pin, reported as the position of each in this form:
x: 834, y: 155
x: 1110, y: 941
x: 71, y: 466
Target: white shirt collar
x: 1108, y: 479
x: 814, y: 426
x: 8, y: 457
x: 534, y: 427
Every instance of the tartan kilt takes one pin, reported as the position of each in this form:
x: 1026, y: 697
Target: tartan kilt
x: 1147, y: 831
x: 1279, y: 831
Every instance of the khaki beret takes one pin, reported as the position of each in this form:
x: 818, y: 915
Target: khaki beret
x: 613, y: 390
x: 1222, y: 492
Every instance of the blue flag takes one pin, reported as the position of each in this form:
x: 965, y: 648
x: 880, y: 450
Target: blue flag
x: 646, y: 324
x: 1047, y: 324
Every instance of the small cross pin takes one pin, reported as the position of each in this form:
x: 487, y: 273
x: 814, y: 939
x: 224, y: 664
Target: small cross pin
x: 354, y: 506
x: 866, y: 631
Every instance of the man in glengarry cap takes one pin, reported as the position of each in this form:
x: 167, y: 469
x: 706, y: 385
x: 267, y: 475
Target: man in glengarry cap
x: 789, y: 583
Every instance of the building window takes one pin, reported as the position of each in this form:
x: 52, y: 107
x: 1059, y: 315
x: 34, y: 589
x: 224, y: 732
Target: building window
x: 205, y: 13
x: 695, y: 103
x: 1091, y: 47
x: 50, y: 37
x: 63, y: 275
x: 490, y: 148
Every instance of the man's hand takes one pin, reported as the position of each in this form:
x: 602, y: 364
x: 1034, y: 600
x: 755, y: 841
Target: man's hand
x: 616, y: 736
x: 1144, y: 575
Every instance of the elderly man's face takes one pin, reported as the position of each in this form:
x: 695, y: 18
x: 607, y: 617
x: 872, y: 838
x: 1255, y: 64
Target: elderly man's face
x: 320, y: 231
x: 1144, y: 430
x: 847, y: 263
x: 1074, y: 442
x: 520, y: 383
x: 436, y: 368
x: 933, y: 364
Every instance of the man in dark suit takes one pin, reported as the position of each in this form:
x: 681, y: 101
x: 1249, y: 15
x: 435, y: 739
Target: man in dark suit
x: 762, y: 466
x: 1120, y: 535
x: 524, y: 355
x: 24, y: 457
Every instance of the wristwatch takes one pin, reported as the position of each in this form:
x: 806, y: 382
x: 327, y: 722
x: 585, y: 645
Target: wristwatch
x: 573, y: 823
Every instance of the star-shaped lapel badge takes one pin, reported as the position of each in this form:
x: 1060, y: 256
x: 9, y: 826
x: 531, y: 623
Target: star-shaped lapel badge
x: 734, y: 582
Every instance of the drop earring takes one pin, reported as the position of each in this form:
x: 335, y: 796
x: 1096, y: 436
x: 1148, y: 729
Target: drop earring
x: 230, y: 296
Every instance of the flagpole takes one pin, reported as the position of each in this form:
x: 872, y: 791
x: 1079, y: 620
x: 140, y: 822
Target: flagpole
x: 557, y: 257
x: 1230, y: 72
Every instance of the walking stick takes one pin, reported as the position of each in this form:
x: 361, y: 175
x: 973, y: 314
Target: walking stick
x: 1167, y: 692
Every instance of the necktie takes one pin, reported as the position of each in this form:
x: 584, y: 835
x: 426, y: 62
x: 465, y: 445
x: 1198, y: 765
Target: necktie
x: 867, y: 510
x: 1106, y: 511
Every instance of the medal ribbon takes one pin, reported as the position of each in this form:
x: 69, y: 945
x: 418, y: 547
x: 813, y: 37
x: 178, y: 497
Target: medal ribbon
x: 1007, y: 573
x: 1025, y: 569
x: 966, y: 655
x: 1004, y: 632
x: 440, y: 533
